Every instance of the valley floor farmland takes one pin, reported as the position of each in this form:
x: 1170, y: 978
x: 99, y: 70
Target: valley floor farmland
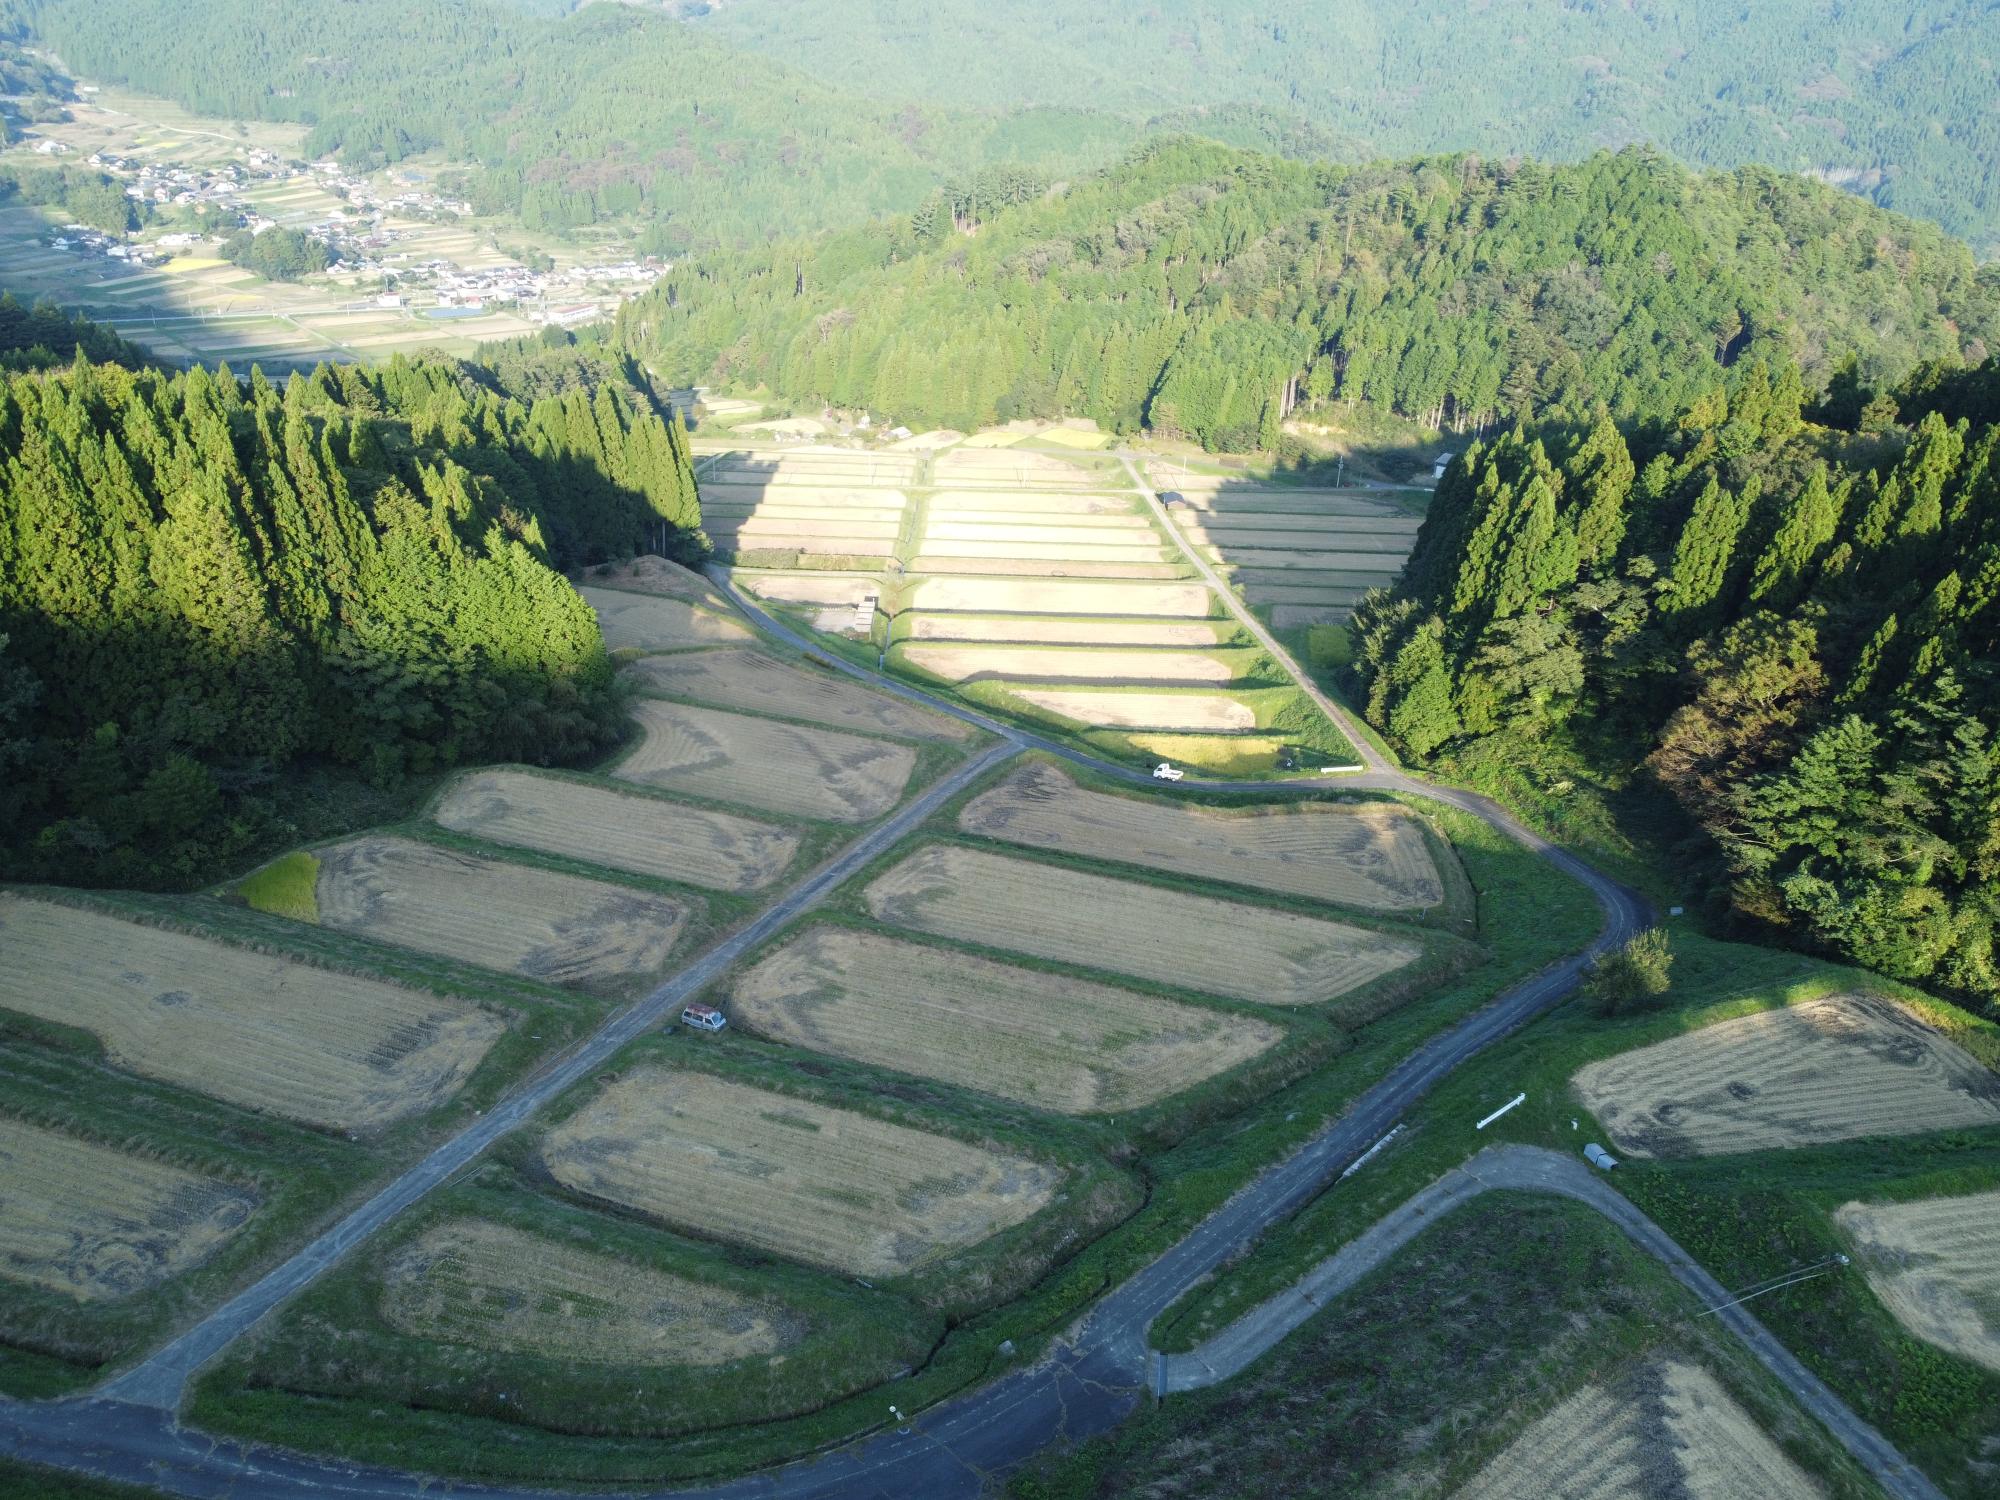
x: 1254, y: 953
x: 1057, y: 1043
x: 830, y: 1187
x: 1828, y: 1070
x: 251, y: 1028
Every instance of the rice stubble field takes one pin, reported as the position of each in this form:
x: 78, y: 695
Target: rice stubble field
x: 620, y: 830
x: 830, y: 1187
x: 1935, y: 1264
x: 255, y: 1029
x: 1204, y: 943
x: 560, y: 929
x: 1371, y: 855
x: 1068, y: 1045
x: 1832, y: 1069
x: 650, y: 622
x: 96, y: 1223
x: 749, y: 679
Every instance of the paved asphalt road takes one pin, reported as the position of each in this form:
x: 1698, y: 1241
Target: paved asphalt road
x: 126, y: 1430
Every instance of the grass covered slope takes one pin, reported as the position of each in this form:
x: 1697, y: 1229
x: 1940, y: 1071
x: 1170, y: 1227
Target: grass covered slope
x: 1188, y: 287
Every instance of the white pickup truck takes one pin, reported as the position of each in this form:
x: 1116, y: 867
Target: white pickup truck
x: 1165, y: 772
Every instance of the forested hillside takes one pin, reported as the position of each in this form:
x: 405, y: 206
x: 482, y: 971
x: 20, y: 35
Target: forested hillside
x: 611, y: 114
x: 1788, y: 629
x: 1890, y: 97
x: 1199, y: 289
x: 205, y: 584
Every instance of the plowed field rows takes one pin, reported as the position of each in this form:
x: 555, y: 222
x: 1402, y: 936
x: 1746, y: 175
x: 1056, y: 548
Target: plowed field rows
x: 811, y: 773
x: 622, y: 831
x: 1173, y: 937
x: 1042, y: 1039
x: 1669, y: 1428
x: 649, y: 622
x: 1201, y: 712
x: 750, y: 679
x: 1073, y: 663
x: 830, y: 1187
x: 1935, y: 1263
x: 1829, y: 1070
x: 1372, y: 856
x: 561, y: 929
x: 250, y: 1028
x: 94, y: 1223
x: 1030, y: 629
x: 1060, y: 597
x: 496, y: 1287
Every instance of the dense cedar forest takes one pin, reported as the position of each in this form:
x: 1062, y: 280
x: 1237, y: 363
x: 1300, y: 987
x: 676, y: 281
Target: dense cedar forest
x: 209, y: 587
x: 1852, y: 90
x: 1785, y: 624
x: 1204, y: 290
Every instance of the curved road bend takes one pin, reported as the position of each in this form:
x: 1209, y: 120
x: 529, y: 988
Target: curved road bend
x: 1086, y: 1385
x: 1535, y: 1169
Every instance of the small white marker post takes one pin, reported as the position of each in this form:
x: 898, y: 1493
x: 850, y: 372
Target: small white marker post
x: 1517, y: 1099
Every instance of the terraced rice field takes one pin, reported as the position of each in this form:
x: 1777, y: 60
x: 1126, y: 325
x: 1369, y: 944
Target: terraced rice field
x: 1016, y: 468
x: 810, y: 588
x: 1019, y: 506
x: 1059, y: 663
x: 623, y: 831
x: 250, y: 1028
x: 1094, y: 921
x: 782, y: 768
x: 1373, y: 856
x: 94, y: 1223
x: 826, y: 1186
x: 648, y: 622
x: 1046, y: 596
x: 1046, y: 1040
x: 561, y: 929
x: 495, y: 1287
x: 1935, y: 1263
x: 1668, y: 1428
x: 752, y: 680
x: 655, y: 575
x: 1830, y: 1070
x: 1042, y: 630
x: 1205, y: 713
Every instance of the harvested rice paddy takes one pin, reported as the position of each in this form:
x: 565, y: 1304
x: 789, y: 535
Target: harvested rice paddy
x: 1172, y: 937
x: 1201, y: 712
x: 95, y: 1223
x: 1044, y: 596
x: 1935, y: 1263
x: 1058, y: 663
x: 1372, y: 855
x: 1829, y: 1070
x: 649, y: 622
x: 620, y: 830
x: 1046, y: 1040
x: 1666, y: 1428
x: 830, y: 1187
x: 750, y: 679
x: 1041, y: 505
x: 250, y: 1028
x: 496, y: 1287
x: 561, y: 929
x: 1037, y: 630
x: 782, y: 768
x: 655, y: 575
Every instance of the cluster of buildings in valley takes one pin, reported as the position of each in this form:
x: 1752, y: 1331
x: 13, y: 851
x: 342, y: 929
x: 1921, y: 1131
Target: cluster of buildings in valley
x: 378, y: 234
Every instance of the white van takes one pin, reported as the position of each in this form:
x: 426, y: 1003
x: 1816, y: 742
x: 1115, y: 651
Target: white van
x: 704, y: 1018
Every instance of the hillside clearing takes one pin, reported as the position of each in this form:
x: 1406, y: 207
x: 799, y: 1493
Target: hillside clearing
x: 495, y: 1287
x: 95, y: 1223
x: 561, y: 929
x: 826, y: 1186
x: 1829, y: 1070
x: 1933, y: 1263
x: 251, y: 1028
x: 810, y: 773
x: 1046, y: 1040
x: 1372, y: 855
x: 620, y: 830
x: 1200, y: 942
